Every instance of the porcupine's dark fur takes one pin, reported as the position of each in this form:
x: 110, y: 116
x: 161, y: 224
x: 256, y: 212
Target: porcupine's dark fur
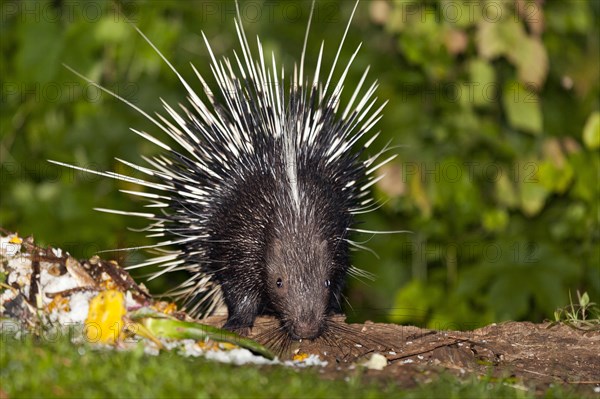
x: 259, y: 200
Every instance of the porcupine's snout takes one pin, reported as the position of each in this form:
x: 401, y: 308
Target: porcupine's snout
x: 306, y: 328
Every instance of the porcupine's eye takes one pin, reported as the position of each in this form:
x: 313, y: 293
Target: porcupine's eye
x: 327, y: 283
x: 279, y: 283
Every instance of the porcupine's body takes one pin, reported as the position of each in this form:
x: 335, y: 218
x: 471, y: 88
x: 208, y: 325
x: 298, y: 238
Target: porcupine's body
x: 260, y: 199
x: 289, y: 257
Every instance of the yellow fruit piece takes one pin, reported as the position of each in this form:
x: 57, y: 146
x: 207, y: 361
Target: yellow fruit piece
x: 165, y: 307
x: 60, y: 304
x: 208, y: 345
x: 15, y: 240
x: 227, y: 346
x: 108, y: 285
x: 170, y: 308
x: 104, y: 322
x: 298, y: 357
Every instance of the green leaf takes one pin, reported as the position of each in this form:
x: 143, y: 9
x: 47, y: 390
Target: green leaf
x: 522, y: 107
x: 555, y: 178
x: 531, y: 60
x: 483, y: 79
x: 584, y: 300
x: 533, y: 197
x: 508, y: 38
x: 495, y: 220
x: 591, y: 131
x: 586, y: 186
x: 489, y: 42
x: 497, y: 38
x: 505, y: 191
x: 109, y: 31
x: 162, y: 326
x: 420, y: 196
x: 462, y: 13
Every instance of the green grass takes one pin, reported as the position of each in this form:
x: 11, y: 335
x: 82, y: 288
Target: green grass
x: 30, y: 368
x: 583, y: 315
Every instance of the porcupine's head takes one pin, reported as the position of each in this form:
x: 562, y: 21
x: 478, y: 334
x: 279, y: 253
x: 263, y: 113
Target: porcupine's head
x: 305, y: 271
x: 306, y: 243
x: 298, y: 283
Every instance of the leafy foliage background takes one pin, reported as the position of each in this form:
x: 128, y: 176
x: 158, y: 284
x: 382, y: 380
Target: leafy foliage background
x: 493, y: 111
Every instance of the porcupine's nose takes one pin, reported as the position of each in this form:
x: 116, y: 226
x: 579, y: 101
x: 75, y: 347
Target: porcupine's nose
x: 305, y: 329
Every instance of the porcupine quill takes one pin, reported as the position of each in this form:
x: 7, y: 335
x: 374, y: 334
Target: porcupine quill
x: 260, y: 198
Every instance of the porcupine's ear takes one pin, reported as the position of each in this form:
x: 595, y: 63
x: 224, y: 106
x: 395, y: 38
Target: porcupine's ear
x: 322, y: 250
x: 278, y: 249
x: 276, y: 255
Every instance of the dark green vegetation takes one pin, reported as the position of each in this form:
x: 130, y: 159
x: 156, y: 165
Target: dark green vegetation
x: 495, y: 110
x: 30, y: 368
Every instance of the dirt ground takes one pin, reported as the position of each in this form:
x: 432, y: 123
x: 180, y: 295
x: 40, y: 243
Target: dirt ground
x: 529, y: 356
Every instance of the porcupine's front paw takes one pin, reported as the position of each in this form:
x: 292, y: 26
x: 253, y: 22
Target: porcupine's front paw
x: 241, y: 312
x: 240, y: 320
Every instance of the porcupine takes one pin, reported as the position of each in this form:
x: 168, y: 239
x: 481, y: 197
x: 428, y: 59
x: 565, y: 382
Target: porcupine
x: 260, y: 200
